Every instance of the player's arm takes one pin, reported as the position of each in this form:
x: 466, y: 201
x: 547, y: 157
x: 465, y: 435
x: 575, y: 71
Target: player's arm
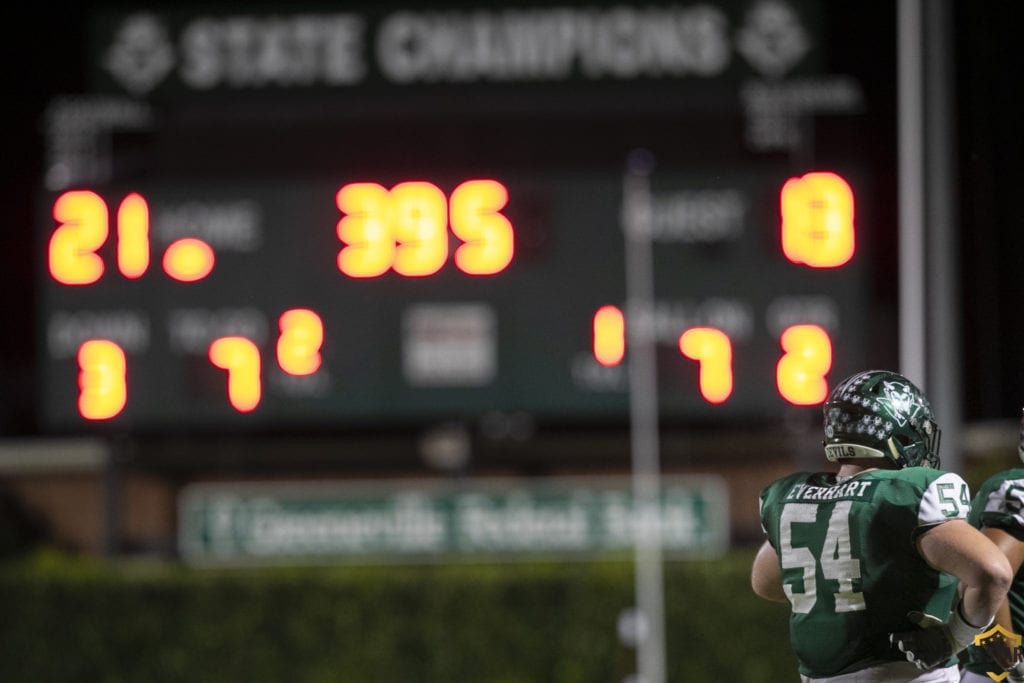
x: 766, y: 576
x: 957, y: 548
x: 1002, y: 651
x: 1013, y: 549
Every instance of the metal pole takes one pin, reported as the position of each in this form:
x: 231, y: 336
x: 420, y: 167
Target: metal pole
x: 643, y: 413
x: 942, y: 275
x: 929, y: 344
x: 912, y: 322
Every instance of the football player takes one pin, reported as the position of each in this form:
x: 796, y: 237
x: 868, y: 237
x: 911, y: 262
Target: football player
x: 885, y: 579
x: 998, y: 510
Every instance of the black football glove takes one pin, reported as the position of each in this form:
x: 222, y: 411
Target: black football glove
x: 934, y: 641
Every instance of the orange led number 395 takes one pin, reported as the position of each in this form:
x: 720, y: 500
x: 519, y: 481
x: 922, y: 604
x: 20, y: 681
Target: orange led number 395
x: 405, y: 229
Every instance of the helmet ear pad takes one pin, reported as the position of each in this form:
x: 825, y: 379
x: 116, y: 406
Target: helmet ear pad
x: 880, y: 415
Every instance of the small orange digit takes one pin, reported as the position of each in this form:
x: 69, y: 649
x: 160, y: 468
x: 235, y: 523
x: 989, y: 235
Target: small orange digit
x: 241, y: 359
x: 189, y: 259
x: 487, y: 235
x: 83, y: 229
x: 103, y: 390
x: 609, y: 336
x: 367, y: 230
x: 420, y: 215
x: 800, y: 373
x: 817, y: 220
x: 298, y: 347
x: 712, y: 350
x: 133, y: 236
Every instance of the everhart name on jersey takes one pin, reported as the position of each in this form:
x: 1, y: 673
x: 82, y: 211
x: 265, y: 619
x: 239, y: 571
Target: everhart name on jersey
x: 850, y: 489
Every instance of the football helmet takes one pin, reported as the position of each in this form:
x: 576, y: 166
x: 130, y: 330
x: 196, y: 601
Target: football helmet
x: 880, y: 414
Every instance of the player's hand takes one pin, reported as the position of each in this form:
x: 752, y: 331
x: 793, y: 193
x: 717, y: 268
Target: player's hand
x: 1015, y: 674
x: 929, y: 645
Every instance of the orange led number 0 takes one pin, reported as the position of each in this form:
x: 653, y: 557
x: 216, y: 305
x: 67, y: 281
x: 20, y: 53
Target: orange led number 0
x: 817, y: 220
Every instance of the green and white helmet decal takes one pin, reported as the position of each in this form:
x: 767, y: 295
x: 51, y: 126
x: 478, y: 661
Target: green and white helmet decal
x: 902, y: 401
x: 883, y: 415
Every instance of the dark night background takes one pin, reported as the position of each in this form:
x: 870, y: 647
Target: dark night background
x: 43, y: 55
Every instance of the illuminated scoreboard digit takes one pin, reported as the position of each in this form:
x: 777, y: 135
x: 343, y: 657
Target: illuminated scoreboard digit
x: 386, y: 215
x: 406, y: 228
x: 367, y: 301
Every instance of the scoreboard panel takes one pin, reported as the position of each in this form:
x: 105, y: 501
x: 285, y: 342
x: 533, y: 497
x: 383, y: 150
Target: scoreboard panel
x: 321, y: 219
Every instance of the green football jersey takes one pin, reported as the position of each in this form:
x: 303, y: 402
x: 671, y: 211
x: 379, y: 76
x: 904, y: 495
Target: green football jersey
x: 999, y: 503
x: 849, y: 559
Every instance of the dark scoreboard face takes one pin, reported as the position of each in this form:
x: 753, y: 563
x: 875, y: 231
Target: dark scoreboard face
x: 369, y: 219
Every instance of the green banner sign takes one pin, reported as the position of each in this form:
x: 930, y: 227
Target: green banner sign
x: 417, y: 521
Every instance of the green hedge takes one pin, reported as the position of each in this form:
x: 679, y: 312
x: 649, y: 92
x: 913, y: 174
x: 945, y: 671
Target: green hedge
x: 73, y: 620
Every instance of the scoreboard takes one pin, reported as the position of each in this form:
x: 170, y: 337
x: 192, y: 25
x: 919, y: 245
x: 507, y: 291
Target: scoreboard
x: 318, y: 218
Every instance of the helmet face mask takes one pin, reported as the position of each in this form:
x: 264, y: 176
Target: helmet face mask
x: 880, y: 414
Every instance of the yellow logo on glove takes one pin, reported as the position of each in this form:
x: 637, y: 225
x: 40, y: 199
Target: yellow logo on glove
x: 1002, y: 646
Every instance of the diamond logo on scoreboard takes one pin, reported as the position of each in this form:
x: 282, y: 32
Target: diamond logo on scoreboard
x: 772, y: 39
x: 142, y: 54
